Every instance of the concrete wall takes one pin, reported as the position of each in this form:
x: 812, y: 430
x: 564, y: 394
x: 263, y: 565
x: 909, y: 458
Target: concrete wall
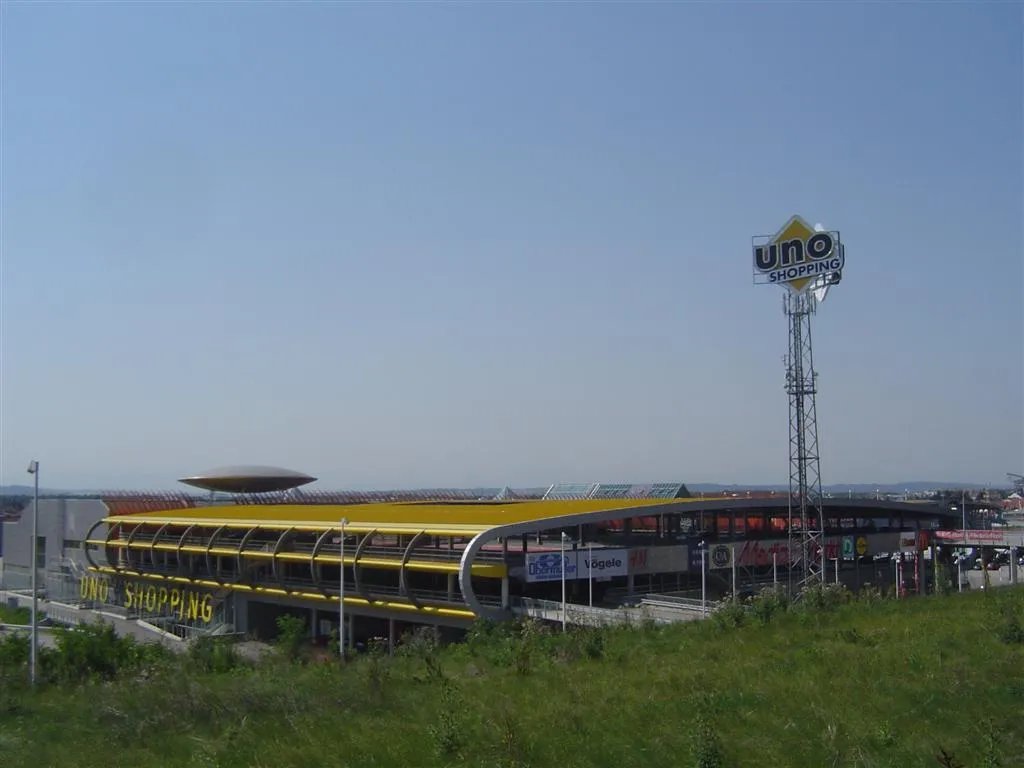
x: 60, y: 520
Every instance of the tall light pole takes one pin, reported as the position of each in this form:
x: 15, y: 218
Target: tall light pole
x: 703, y: 579
x: 33, y: 469
x: 590, y: 571
x: 341, y: 589
x: 563, y: 539
x: 960, y: 560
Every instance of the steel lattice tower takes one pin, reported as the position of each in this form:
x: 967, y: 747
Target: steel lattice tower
x: 804, y: 468
x: 807, y: 262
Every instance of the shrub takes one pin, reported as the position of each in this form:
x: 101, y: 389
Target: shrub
x: 707, y: 748
x: 824, y: 597
x: 768, y: 603
x: 212, y: 654
x: 291, y: 635
x: 448, y: 732
x: 729, y: 614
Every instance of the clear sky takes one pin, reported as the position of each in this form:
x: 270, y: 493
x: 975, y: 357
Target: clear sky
x: 443, y: 244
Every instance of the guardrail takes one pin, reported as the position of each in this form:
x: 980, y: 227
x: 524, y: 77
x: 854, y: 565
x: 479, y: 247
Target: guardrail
x: 583, y: 615
x: 673, y: 601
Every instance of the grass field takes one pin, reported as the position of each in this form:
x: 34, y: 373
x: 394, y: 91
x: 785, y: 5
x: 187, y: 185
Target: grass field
x: 14, y: 615
x: 867, y: 683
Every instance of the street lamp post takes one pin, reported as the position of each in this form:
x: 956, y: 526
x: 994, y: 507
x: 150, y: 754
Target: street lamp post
x: 563, y: 538
x: 703, y: 579
x: 341, y: 589
x: 590, y: 571
x: 963, y: 553
x: 33, y: 469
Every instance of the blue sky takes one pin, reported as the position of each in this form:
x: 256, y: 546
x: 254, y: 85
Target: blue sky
x: 430, y: 244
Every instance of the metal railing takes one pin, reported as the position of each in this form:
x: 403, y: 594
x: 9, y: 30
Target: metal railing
x: 583, y: 615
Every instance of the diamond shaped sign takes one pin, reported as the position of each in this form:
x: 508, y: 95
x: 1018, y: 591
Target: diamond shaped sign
x: 797, y: 256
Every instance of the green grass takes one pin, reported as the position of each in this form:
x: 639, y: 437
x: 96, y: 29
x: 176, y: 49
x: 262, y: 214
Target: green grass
x: 859, y: 684
x: 14, y: 615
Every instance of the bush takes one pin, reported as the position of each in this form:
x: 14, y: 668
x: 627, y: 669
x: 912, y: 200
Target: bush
x: 707, y: 748
x: 15, y: 650
x: 212, y: 654
x: 448, y: 731
x: 291, y: 635
x: 824, y: 597
x: 95, y: 651
x: 1005, y: 618
x: 768, y: 603
x: 729, y: 614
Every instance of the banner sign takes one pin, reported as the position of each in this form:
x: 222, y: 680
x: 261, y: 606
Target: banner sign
x: 602, y: 563
x: 547, y: 566
x: 982, y: 538
x: 750, y: 554
x: 579, y: 564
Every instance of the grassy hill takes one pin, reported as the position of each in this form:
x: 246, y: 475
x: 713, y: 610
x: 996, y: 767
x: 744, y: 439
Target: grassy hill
x: 863, y: 683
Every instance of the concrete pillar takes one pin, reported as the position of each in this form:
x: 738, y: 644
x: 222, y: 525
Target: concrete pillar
x: 504, y: 592
x: 451, y: 587
x: 241, y: 613
x: 1014, y: 554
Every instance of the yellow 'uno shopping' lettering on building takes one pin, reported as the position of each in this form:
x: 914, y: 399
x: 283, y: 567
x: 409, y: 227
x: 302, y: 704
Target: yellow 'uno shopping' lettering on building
x: 183, y: 603
x: 94, y: 589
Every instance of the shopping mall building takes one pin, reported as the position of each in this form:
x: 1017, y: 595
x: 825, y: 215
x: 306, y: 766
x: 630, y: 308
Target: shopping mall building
x: 256, y: 547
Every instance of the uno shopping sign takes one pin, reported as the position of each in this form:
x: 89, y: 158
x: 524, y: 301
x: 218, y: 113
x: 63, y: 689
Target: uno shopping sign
x: 797, y: 255
x: 149, y: 599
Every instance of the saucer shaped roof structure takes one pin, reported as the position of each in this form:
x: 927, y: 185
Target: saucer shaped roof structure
x: 248, y: 479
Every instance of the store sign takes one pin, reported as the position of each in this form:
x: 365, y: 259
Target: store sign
x: 797, y: 255
x: 989, y: 538
x: 579, y: 564
x: 547, y: 566
x: 848, y: 547
x: 761, y: 554
x: 666, y: 559
x: 174, y: 602
x: 602, y: 563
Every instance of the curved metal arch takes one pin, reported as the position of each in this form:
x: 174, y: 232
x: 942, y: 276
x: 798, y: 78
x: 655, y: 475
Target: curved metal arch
x: 277, y: 549
x: 111, y: 530
x: 513, y: 529
x: 152, y: 544
x: 88, y: 557
x: 181, y: 543
x: 314, y: 569
x: 241, y: 547
x: 403, y: 580
x: 128, y: 546
x: 209, y: 546
x: 355, y: 563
